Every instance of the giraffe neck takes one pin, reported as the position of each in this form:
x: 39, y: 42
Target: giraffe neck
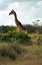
x: 15, y: 16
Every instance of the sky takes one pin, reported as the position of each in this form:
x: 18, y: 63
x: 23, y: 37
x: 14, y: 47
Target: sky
x: 27, y: 11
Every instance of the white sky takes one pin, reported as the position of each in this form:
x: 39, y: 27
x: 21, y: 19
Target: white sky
x: 27, y: 11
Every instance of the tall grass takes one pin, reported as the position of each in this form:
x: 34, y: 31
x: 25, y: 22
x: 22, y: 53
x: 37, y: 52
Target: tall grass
x: 11, y: 50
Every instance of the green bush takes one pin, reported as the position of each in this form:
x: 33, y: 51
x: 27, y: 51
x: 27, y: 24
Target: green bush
x: 15, y: 36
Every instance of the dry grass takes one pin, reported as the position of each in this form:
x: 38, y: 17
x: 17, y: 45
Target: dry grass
x: 32, y: 56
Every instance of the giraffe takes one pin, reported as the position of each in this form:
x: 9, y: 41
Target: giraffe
x: 18, y: 24
x: 38, y: 37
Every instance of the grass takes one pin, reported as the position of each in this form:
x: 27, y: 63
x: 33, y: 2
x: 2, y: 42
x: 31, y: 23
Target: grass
x: 31, y: 56
x: 11, y: 50
x: 23, y: 54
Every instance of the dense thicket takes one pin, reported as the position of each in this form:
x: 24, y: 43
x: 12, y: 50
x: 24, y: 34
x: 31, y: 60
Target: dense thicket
x: 30, y: 28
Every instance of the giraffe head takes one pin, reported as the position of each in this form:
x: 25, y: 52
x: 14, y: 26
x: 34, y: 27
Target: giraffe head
x: 12, y: 12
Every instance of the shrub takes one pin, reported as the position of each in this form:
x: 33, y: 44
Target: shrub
x: 15, y: 36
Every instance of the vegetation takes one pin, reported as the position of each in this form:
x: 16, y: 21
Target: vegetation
x: 27, y: 55
x: 19, y: 48
x: 15, y: 36
x: 10, y: 50
x: 30, y: 28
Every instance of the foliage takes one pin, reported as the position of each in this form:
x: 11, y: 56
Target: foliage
x: 30, y: 28
x: 15, y: 36
x: 4, y: 29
